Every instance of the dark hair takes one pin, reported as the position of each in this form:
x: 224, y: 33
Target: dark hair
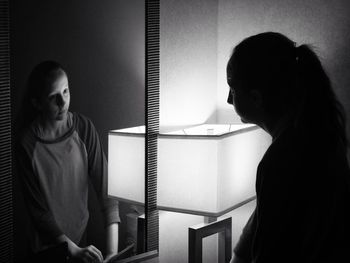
x: 38, y: 81
x: 291, y: 79
x: 42, y: 76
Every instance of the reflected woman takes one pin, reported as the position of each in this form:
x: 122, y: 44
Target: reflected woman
x: 302, y: 185
x: 59, y: 153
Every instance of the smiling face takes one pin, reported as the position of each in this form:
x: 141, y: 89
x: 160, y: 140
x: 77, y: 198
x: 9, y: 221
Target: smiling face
x: 54, y: 103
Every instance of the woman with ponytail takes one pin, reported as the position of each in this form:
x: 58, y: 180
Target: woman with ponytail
x: 302, y: 185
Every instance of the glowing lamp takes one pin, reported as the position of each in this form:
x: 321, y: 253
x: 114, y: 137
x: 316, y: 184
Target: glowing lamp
x: 207, y: 169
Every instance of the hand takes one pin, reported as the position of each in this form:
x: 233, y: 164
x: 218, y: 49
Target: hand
x: 89, y: 254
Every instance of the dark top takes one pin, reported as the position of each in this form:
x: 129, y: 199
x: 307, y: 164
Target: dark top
x: 303, y: 203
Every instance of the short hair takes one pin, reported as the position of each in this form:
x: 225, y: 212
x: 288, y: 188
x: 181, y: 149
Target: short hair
x: 42, y: 76
x: 38, y: 81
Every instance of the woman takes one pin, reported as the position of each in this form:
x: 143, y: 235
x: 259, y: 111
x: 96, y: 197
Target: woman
x: 59, y: 153
x: 303, y: 191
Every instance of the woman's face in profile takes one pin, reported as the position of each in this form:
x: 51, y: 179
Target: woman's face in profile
x: 54, y: 104
x: 238, y: 97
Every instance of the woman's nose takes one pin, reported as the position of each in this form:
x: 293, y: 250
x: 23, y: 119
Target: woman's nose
x: 60, y: 101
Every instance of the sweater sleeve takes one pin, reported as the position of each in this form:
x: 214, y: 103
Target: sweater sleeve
x: 38, y: 208
x: 244, y: 246
x: 97, y: 168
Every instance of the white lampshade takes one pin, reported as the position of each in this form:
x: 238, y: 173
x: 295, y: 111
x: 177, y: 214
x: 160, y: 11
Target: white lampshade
x: 126, y: 164
x: 205, y: 169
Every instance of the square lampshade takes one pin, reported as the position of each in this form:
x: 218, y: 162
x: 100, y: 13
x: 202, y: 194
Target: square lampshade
x: 206, y: 169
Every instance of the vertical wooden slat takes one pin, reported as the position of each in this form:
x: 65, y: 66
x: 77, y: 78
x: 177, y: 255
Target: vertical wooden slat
x: 6, y: 242
x: 152, y: 122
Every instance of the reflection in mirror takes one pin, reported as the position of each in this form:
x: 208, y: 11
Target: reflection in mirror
x: 101, y: 47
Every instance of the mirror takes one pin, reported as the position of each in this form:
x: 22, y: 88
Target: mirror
x: 102, y: 48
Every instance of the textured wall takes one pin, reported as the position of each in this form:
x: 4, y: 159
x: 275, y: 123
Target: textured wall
x: 188, y: 61
x: 197, y: 38
x: 324, y: 24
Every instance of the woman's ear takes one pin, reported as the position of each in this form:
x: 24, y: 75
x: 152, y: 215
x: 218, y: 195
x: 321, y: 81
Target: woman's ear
x: 256, y: 98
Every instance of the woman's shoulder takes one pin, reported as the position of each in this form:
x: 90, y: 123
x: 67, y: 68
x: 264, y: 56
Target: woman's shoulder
x: 26, y: 140
x: 83, y: 126
x: 80, y: 120
x: 293, y: 154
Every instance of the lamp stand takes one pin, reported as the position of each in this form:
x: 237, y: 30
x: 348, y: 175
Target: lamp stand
x: 196, y: 234
x: 221, y: 238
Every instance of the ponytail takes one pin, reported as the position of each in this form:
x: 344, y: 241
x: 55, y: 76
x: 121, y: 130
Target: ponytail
x: 318, y: 109
x: 292, y: 81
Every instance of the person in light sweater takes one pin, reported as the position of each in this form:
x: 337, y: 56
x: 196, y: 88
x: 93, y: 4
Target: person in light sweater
x: 59, y: 154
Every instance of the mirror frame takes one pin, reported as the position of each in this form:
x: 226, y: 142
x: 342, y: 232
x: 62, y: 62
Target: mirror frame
x: 152, y: 80
x: 6, y: 209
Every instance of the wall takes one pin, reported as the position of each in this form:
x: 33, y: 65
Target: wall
x: 197, y: 39
x: 101, y: 45
x: 188, y: 50
x: 324, y: 24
